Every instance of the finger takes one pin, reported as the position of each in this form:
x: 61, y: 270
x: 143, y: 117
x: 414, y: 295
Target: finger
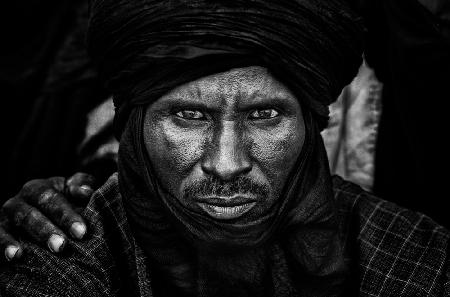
x: 35, y: 224
x: 55, y: 206
x: 58, y: 183
x: 81, y: 186
x: 11, y: 247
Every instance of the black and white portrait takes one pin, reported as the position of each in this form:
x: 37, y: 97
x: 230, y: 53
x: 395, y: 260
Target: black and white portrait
x: 225, y: 148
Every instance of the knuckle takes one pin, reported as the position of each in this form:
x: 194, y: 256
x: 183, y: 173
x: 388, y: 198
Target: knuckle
x: 58, y: 183
x: 21, y: 217
x: 81, y: 178
x: 34, y: 187
x: 10, y: 206
x: 41, y: 230
x: 48, y: 229
x: 47, y: 196
x: 65, y: 220
x: 79, y: 175
x: 68, y: 217
x: 31, y: 184
x: 31, y: 217
x: 71, y: 180
x: 6, y: 239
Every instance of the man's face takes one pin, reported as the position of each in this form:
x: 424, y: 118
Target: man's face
x: 225, y: 144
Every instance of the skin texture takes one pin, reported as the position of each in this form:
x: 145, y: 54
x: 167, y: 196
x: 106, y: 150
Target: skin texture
x: 225, y: 134
x: 46, y: 210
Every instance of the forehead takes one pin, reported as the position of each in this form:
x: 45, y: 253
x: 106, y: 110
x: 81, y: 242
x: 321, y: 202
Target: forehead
x: 231, y: 88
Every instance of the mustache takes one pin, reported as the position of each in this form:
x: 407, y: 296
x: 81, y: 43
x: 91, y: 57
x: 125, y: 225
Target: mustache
x: 212, y: 186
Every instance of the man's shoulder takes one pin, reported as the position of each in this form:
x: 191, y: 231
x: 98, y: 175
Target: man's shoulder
x: 397, y: 250
x: 105, y: 202
x: 373, y: 210
x: 88, y: 267
x: 109, y: 191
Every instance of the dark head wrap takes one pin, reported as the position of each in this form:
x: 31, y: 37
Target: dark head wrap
x: 145, y: 48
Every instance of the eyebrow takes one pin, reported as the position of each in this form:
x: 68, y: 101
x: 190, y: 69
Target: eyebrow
x: 265, y: 101
x: 256, y: 100
x: 179, y: 103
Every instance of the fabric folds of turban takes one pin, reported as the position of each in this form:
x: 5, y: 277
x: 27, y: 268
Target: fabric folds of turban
x: 144, y: 48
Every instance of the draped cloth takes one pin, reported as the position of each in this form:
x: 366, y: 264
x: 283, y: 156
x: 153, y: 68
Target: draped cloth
x: 297, y: 243
x: 143, y: 49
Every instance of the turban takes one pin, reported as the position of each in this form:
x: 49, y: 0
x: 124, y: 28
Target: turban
x: 144, y: 48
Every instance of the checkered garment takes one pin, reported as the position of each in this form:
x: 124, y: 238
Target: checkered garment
x: 393, y: 252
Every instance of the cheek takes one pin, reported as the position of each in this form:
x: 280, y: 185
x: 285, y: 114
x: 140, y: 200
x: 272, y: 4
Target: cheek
x: 173, y: 151
x: 276, y: 150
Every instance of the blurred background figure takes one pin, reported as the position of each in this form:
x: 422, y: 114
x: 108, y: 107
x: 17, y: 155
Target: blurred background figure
x: 351, y: 136
x: 408, y: 46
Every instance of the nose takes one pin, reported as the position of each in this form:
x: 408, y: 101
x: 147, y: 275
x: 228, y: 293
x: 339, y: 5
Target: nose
x: 227, y: 157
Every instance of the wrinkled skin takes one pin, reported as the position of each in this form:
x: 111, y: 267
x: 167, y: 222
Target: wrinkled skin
x: 241, y: 123
x: 208, y: 133
x: 46, y: 210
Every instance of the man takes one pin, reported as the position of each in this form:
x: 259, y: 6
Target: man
x: 407, y: 44
x: 223, y: 186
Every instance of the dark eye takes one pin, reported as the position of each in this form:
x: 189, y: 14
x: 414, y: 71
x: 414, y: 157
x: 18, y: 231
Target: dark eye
x: 261, y: 114
x: 190, y: 114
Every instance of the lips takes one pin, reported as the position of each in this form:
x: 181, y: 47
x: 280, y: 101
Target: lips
x: 226, y: 208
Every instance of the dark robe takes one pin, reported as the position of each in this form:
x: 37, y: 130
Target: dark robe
x: 391, y: 251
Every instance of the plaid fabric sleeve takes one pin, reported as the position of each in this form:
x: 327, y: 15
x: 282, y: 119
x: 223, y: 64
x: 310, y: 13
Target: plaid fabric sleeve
x: 399, y: 252
x: 85, y: 268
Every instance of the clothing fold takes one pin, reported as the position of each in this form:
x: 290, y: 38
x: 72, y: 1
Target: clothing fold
x: 300, y: 230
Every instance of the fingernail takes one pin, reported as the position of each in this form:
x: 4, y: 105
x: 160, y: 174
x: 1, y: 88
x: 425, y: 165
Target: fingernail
x: 86, y: 190
x: 78, y: 230
x: 10, y: 252
x: 55, y: 243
